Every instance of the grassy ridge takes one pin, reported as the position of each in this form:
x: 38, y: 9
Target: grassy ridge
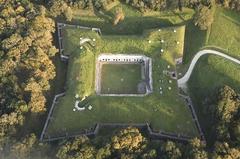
x: 225, y: 31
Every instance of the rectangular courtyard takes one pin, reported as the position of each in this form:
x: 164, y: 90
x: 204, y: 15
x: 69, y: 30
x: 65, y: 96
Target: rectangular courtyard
x: 120, y: 78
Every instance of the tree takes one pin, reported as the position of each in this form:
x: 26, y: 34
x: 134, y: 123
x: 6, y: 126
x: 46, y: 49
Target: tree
x: 57, y: 7
x: 79, y: 148
x: 170, y: 150
x: 8, y: 127
x: 22, y: 149
x: 104, y: 152
x: 26, y: 49
x: 236, y: 130
x: 197, y: 150
x: 68, y: 14
x: 129, y: 140
x: 224, y: 151
x: 127, y: 156
x: 2, y: 25
x: 119, y: 16
x: 227, y: 105
x: 37, y: 100
x: 8, y: 123
x: 203, y: 17
x: 10, y: 42
x: 225, y: 3
x: 225, y: 110
x: 152, y: 153
x: 232, y: 4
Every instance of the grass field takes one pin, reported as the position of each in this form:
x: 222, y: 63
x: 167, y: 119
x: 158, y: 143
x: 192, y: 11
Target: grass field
x: 223, y: 35
x: 212, y: 72
x: 120, y: 78
x: 225, y: 31
x: 166, y: 112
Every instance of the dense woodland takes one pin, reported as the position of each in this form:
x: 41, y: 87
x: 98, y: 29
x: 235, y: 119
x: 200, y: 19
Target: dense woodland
x: 26, y: 69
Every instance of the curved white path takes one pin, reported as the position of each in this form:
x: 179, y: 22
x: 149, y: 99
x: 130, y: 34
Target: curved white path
x: 183, y: 81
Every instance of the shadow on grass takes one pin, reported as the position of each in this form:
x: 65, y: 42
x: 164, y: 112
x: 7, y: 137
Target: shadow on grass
x: 194, y: 40
x: 199, y: 92
x: 130, y: 25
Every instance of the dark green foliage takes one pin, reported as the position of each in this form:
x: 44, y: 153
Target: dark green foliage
x: 225, y: 113
x: 26, y: 47
x: 104, y: 152
x: 129, y: 143
x: 228, y: 104
x: 145, y: 5
x: 58, y: 7
x: 79, y: 148
x: 65, y: 7
x: 160, y: 5
x: 27, y: 147
x: 223, y: 150
x: 25, y: 65
x: 126, y: 143
x: 129, y: 140
x: 197, y: 150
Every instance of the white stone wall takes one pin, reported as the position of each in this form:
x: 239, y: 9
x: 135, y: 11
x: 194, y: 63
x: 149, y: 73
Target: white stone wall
x: 121, y: 58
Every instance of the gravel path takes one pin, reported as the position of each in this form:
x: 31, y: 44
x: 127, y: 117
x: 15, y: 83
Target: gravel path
x: 183, y: 81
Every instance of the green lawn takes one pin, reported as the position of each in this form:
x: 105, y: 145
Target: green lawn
x: 223, y: 35
x: 195, y: 39
x: 166, y: 112
x: 120, y: 78
x: 225, y: 31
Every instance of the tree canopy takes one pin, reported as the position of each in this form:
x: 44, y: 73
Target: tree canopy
x: 203, y: 17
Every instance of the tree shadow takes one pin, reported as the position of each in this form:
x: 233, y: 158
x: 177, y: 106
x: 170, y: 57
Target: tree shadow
x: 129, y: 26
x: 194, y: 40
